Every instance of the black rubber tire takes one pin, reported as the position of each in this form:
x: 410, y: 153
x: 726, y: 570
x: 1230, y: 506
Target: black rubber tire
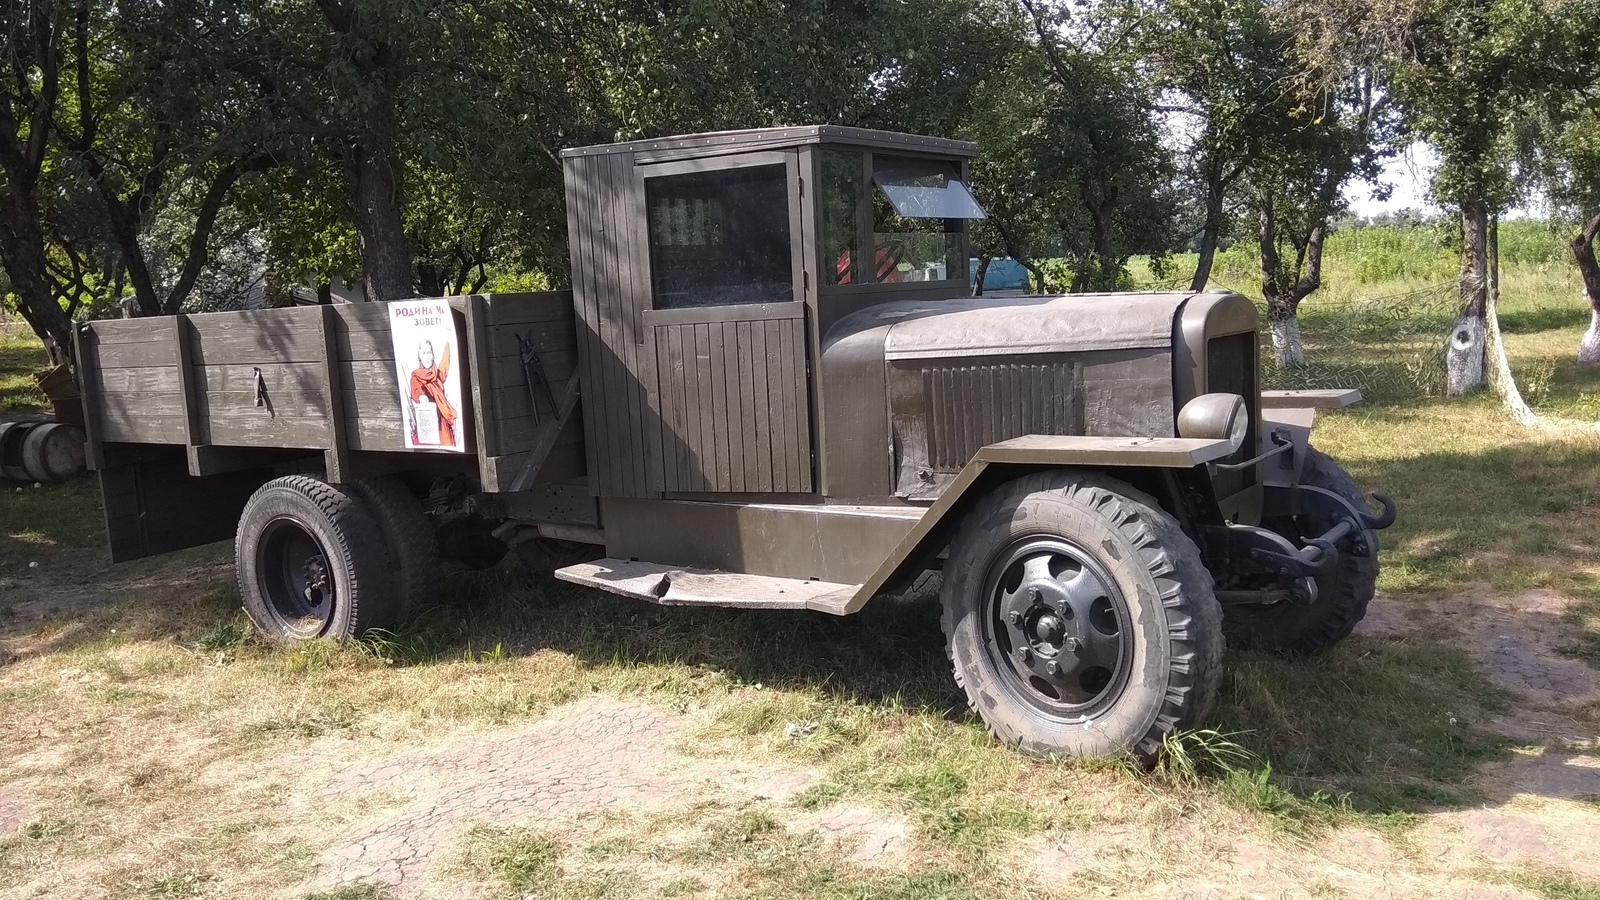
x: 1300, y: 629
x: 541, y: 557
x: 341, y: 533
x: 409, y: 537
x: 1175, y: 651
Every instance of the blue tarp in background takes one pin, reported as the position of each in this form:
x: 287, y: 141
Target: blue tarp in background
x: 1003, y: 274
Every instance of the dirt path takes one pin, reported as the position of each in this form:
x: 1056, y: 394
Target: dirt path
x: 600, y: 790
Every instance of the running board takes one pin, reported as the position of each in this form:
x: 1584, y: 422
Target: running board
x: 673, y: 586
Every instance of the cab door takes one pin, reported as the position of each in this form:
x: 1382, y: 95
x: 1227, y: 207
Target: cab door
x: 725, y: 320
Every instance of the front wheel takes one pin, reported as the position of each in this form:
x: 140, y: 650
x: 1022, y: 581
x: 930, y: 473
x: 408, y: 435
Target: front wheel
x: 1343, y: 592
x: 312, y: 563
x: 1080, y: 618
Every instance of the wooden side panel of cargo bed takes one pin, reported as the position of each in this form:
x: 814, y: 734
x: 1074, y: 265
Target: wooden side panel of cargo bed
x: 153, y: 505
x: 516, y: 412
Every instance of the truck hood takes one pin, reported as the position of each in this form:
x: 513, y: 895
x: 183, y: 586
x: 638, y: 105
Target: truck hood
x: 987, y: 326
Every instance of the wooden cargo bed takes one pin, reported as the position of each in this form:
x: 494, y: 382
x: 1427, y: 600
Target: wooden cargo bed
x: 249, y: 392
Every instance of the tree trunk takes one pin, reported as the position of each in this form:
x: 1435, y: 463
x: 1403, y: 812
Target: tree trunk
x: 1464, y: 358
x: 380, y: 231
x: 1036, y: 283
x: 22, y: 250
x: 1210, y: 233
x: 1499, y: 365
x: 1583, y: 252
x: 983, y: 269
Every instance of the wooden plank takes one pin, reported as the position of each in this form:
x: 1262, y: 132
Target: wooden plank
x: 766, y: 477
x: 666, y: 381
x: 779, y: 430
x: 242, y: 429
x: 619, y: 247
x: 736, y: 312
x: 135, y: 405
x: 693, y: 422
x: 337, y: 452
x: 366, y: 433
x: 534, y: 306
x: 794, y: 350
x: 236, y: 348
x: 356, y: 344
x: 506, y: 371
x: 369, y: 375
x: 623, y: 437
x: 183, y: 360
x: 733, y: 420
x: 747, y: 411
x: 583, y: 325
x: 163, y: 379
x: 86, y: 352
x: 717, y: 413
x: 547, y: 337
x: 144, y: 354
x: 254, y: 323
x: 475, y: 376
x: 361, y: 318
x: 131, y: 331
x: 682, y: 457
x: 785, y: 368
x: 118, y: 425
x: 583, y: 203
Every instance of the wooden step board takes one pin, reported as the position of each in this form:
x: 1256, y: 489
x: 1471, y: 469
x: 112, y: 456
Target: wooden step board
x: 674, y: 586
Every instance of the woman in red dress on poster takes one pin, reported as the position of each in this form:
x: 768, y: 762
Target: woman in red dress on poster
x: 428, y: 380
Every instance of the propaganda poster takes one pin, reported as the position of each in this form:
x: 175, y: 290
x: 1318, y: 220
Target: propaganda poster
x: 426, y: 354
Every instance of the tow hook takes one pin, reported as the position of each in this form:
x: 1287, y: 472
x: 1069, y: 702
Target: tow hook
x: 1382, y: 520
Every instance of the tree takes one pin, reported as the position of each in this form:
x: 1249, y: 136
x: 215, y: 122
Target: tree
x: 1072, y: 163
x: 1563, y: 129
x: 1473, y: 65
x: 150, y: 118
x: 1295, y: 190
x: 1225, y: 78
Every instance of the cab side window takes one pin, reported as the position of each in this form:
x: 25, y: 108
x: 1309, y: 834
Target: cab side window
x: 720, y: 237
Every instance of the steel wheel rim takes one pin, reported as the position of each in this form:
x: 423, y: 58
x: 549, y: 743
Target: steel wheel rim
x: 1057, y: 628
x: 295, y: 578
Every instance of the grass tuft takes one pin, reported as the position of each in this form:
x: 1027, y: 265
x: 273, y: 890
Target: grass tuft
x: 520, y: 858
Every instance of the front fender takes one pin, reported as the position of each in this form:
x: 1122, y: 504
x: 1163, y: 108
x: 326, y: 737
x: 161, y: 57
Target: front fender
x: 1005, y: 460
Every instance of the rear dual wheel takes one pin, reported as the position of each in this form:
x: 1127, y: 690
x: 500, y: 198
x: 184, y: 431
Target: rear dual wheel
x: 317, y: 560
x: 1080, y: 619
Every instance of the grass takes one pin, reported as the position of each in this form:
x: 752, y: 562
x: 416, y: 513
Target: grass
x: 21, y: 355
x: 165, y: 751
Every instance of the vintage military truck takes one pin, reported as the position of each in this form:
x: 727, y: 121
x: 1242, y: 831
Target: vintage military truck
x: 770, y: 387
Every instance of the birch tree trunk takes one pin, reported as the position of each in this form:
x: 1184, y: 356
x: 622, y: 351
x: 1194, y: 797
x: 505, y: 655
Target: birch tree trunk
x: 1505, y: 384
x: 1589, y: 268
x: 1464, y: 357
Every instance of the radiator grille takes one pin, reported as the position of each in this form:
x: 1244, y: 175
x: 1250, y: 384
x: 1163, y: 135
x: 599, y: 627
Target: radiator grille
x: 970, y: 406
x: 1231, y: 369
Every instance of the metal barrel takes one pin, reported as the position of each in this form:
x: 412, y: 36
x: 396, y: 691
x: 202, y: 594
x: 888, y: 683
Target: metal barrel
x: 53, y: 451
x: 12, y: 435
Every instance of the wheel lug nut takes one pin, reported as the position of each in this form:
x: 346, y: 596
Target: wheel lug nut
x: 1033, y: 595
x: 1015, y: 617
x: 1070, y: 644
x: 1053, y: 668
x: 1025, y: 654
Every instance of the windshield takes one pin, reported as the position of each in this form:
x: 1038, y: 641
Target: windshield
x: 921, y: 189
x: 911, y: 213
